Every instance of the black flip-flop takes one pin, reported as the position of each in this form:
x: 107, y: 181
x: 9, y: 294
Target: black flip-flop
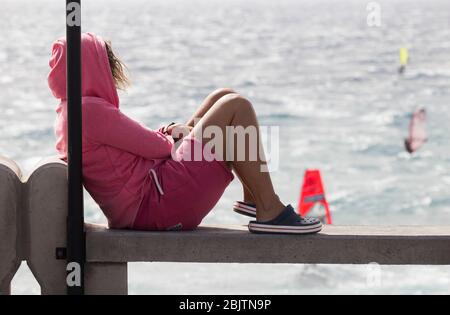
x: 288, y: 222
x: 244, y: 208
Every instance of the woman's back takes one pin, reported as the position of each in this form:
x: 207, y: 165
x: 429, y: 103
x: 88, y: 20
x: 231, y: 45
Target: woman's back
x: 118, y: 152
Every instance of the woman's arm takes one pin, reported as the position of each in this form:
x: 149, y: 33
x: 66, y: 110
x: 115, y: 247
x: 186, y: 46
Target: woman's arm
x: 109, y: 126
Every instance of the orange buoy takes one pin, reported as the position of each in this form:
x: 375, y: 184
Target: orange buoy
x: 312, y: 195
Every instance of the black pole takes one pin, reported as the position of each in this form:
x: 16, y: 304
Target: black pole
x: 76, y: 246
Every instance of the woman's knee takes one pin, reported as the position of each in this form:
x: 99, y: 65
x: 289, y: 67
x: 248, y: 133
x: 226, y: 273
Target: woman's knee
x: 219, y: 93
x: 237, y: 102
x: 224, y: 91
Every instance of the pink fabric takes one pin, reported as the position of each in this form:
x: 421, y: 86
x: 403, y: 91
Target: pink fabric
x: 128, y: 168
x: 117, y: 151
x: 191, y: 188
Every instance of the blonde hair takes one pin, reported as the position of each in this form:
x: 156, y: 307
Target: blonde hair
x: 118, y: 69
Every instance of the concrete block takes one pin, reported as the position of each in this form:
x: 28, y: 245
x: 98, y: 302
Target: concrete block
x: 46, y: 218
x: 10, y: 207
x: 106, y: 279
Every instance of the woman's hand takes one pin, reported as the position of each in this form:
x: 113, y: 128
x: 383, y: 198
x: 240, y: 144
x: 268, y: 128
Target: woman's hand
x: 178, y: 131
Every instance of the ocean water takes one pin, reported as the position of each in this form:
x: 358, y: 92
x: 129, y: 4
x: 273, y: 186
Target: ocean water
x: 313, y: 67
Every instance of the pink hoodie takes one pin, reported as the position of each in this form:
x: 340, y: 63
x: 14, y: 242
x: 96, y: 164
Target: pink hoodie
x: 118, y: 152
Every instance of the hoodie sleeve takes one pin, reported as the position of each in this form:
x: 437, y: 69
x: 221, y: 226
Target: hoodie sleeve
x: 109, y: 126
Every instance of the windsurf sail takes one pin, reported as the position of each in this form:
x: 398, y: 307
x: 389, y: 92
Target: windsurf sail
x: 313, y: 201
x: 404, y: 59
x: 417, y: 131
x: 404, y: 56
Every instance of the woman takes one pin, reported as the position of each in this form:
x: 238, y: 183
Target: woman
x: 136, y: 175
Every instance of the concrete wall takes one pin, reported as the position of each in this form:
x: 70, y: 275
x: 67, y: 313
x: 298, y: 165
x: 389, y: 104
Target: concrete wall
x: 10, y: 207
x: 33, y: 215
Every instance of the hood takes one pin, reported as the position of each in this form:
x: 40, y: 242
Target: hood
x: 96, y: 72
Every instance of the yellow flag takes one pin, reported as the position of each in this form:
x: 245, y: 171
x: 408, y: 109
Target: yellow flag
x: 404, y: 56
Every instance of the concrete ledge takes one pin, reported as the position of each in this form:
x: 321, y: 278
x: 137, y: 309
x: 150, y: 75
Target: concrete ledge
x: 414, y: 245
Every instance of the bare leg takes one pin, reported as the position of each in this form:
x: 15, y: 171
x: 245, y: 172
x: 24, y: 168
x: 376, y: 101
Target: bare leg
x: 234, y: 110
x: 248, y: 196
x: 207, y: 104
x: 209, y: 101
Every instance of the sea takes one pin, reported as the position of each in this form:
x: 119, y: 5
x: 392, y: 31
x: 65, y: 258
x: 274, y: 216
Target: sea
x: 324, y: 72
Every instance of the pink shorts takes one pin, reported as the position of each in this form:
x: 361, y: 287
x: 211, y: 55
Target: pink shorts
x: 183, y: 192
